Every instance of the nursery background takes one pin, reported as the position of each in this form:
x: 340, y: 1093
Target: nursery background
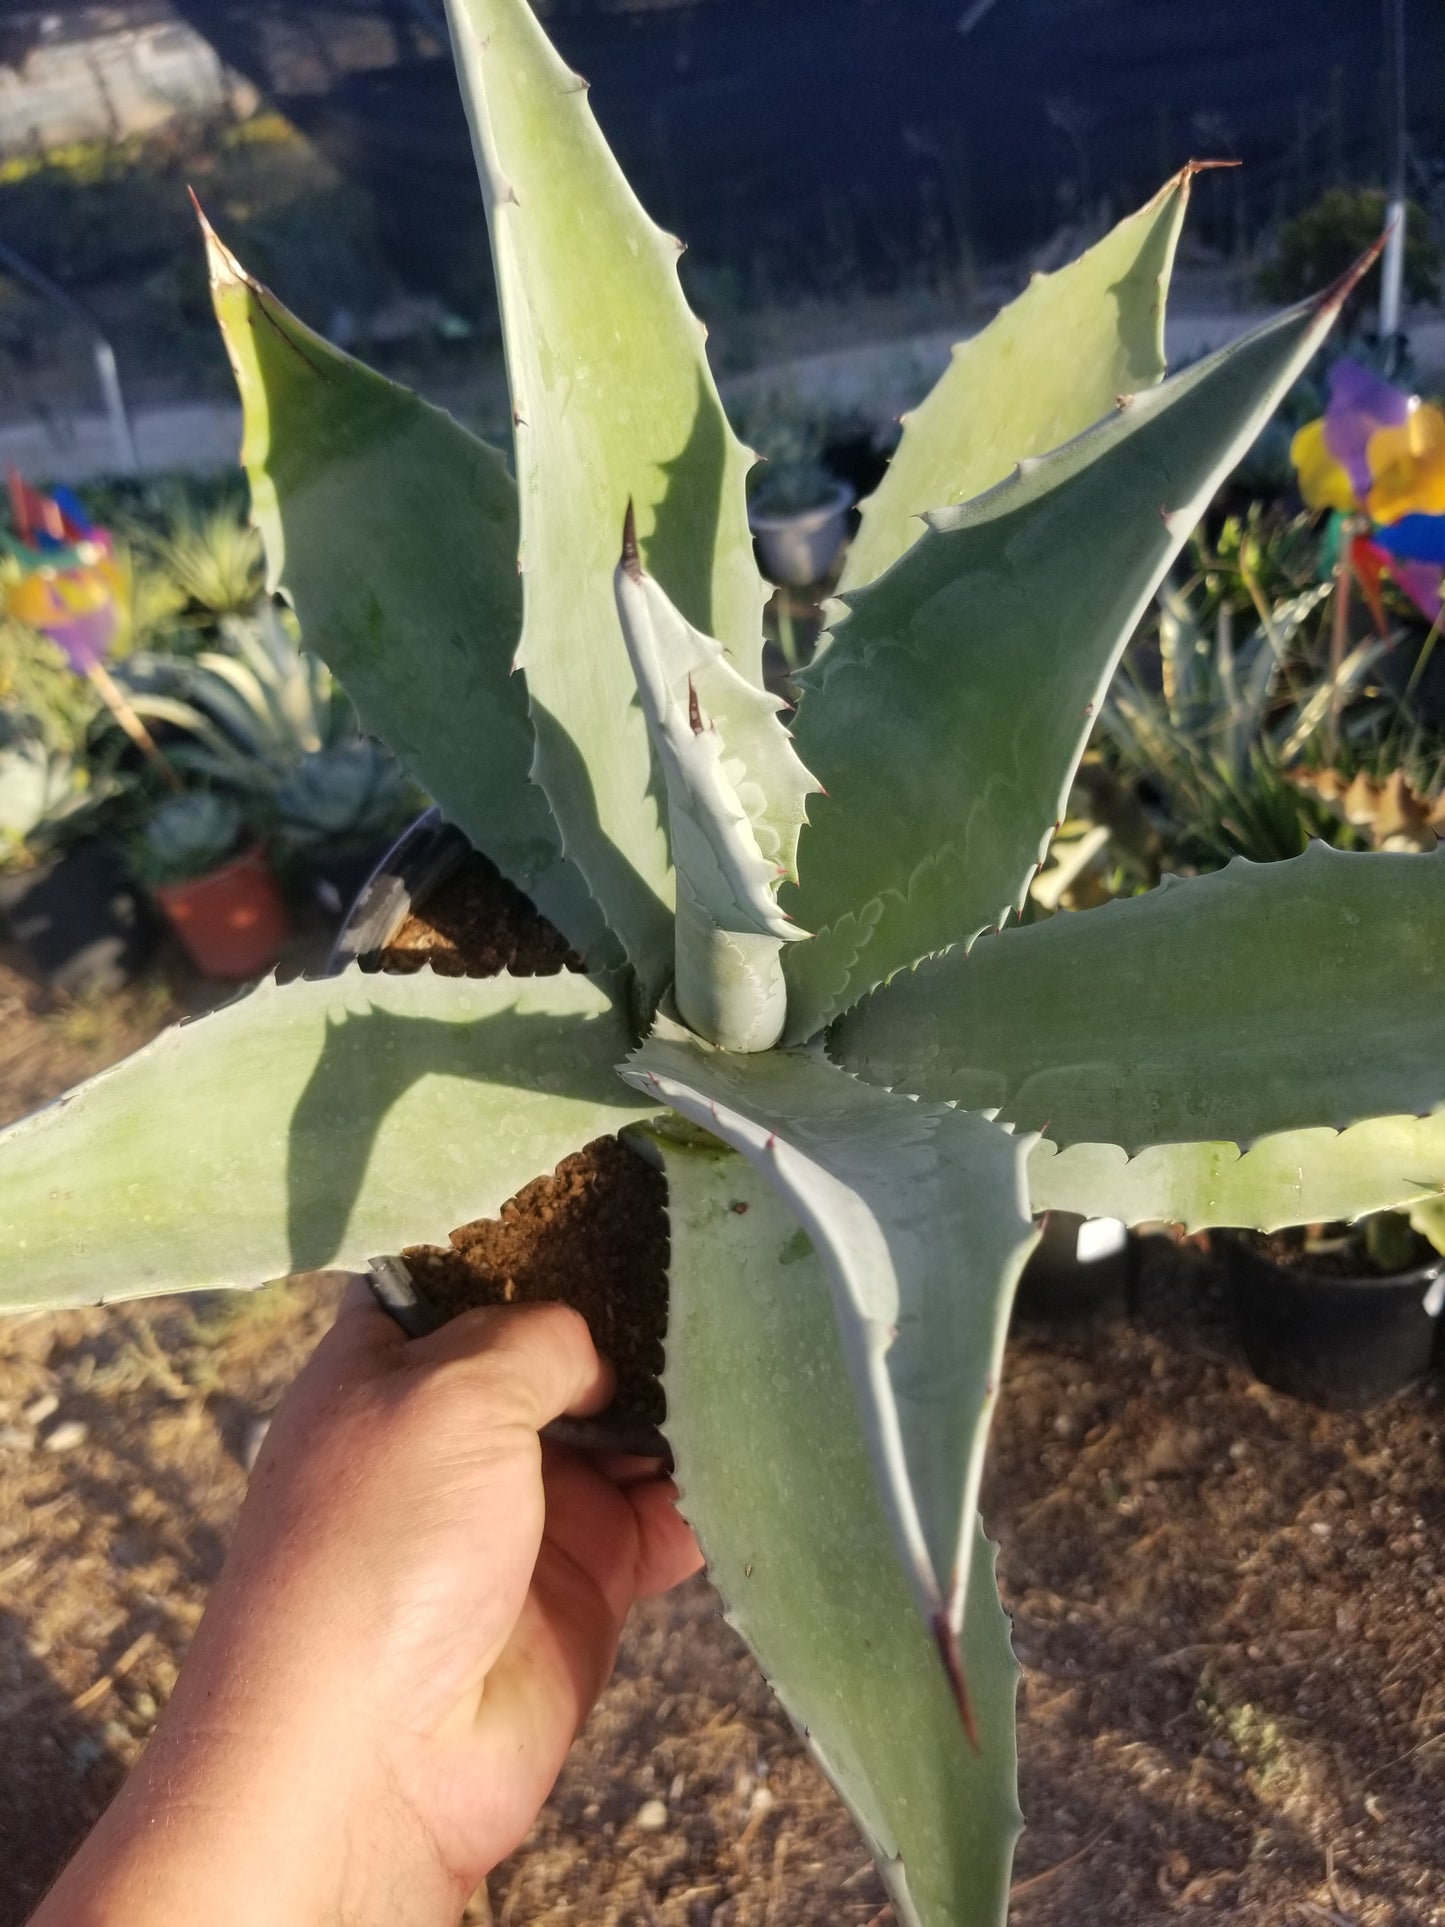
x: 1227, y: 1597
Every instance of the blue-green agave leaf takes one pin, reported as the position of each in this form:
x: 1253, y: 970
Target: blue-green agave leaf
x: 949, y: 716
x: 313, y: 1125
x: 1264, y: 998
x: 1292, y: 1177
x: 776, y: 1481
x: 1045, y: 368
x: 394, y: 534
x: 613, y: 402
x: 919, y: 1216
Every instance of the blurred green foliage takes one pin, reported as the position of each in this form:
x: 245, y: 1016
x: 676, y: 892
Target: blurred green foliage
x: 245, y: 716
x: 1229, y: 693
x: 40, y: 692
x: 1319, y: 245
x: 105, y: 216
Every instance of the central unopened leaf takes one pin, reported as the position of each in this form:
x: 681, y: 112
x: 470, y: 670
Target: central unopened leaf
x: 918, y: 1213
x: 737, y: 793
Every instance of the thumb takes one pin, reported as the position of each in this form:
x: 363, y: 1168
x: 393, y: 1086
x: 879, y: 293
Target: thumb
x: 527, y: 1364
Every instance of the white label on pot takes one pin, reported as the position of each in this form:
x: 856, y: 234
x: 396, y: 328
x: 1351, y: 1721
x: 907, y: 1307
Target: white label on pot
x: 1435, y: 1298
x: 1099, y: 1238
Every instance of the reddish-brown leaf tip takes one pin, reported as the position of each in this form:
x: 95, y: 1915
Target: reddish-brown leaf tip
x: 1191, y: 168
x: 1339, y: 291
x: 631, y: 560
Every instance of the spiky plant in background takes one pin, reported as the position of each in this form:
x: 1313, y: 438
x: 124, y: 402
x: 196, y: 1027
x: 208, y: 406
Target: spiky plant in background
x: 858, y: 1107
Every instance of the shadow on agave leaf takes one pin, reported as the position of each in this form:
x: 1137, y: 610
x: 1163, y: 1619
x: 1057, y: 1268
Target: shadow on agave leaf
x: 380, y: 1068
x: 687, y: 518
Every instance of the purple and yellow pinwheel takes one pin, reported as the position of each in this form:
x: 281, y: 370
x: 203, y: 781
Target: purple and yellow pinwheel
x: 1377, y: 455
x: 64, y: 576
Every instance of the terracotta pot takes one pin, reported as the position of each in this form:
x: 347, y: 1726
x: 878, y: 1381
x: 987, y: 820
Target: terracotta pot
x: 233, y: 921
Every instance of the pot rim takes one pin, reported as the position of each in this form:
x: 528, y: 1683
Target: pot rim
x: 1422, y: 1275
x: 838, y: 503
x: 421, y: 857
x: 245, y: 859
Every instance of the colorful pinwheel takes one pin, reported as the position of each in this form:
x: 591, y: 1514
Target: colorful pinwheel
x: 63, y: 576
x: 1377, y: 457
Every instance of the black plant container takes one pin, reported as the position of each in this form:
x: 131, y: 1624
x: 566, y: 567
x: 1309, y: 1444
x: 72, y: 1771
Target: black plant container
x: 420, y: 860
x: 1341, y: 1343
x: 337, y: 873
x: 80, y: 919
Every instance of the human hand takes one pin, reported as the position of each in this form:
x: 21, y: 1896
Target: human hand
x: 421, y: 1604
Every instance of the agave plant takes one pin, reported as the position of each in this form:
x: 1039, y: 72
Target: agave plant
x: 1216, y: 724
x: 47, y: 798
x: 346, y: 792
x: 248, y: 715
x: 211, y: 559
x: 187, y: 836
x: 859, y: 1098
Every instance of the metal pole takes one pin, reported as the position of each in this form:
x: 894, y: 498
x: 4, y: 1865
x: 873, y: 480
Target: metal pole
x: 1392, y: 269
x: 115, y: 408
x: 127, y: 454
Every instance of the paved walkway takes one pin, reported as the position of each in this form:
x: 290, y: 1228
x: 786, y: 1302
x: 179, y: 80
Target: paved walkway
x: 197, y: 436
x: 881, y: 377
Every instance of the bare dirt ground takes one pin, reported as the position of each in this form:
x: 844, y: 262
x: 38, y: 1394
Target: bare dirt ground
x: 1230, y: 1610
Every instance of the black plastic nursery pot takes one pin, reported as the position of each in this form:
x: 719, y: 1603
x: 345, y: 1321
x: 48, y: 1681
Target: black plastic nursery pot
x: 336, y: 874
x: 419, y: 862
x: 80, y: 919
x: 1338, y: 1342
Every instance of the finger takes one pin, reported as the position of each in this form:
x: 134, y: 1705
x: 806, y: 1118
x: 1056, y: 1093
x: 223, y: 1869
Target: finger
x: 591, y: 1525
x: 626, y: 1468
x: 362, y: 1334
x: 631, y: 1540
x: 667, y: 1552
x: 534, y: 1363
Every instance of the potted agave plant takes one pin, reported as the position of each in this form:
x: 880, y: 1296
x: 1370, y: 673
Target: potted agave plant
x: 797, y: 1004
x: 338, y: 812
x: 1340, y: 1314
x: 212, y: 881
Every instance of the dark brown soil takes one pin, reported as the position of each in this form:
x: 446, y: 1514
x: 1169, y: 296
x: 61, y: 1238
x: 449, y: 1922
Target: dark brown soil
x: 1230, y: 1608
x: 476, y: 925
x: 594, y: 1235
x: 1333, y: 1251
